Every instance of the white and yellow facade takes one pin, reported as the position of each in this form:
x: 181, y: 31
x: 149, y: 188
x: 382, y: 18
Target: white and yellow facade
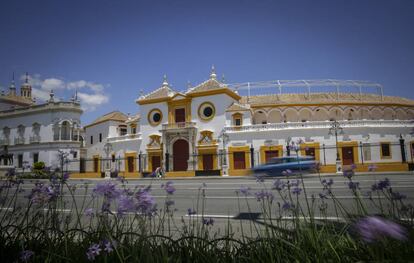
x: 187, y: 133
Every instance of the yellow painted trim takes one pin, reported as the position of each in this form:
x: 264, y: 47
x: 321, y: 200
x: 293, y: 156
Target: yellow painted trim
x: 156, y: 138
x: 176, y: 104
x: 151, y: 122
x: 265, y: 148
x: 150, y: 101
x: 381, y: 154
x: 246, y: 150
x: 200, y: 114
x: 354, y: 145
x: 180, y: 174
x: 215, y: 92
x: 211, y: 149
x: 134, y: 164
x: 85, y: 175
x: 315, y: 145
x: 93, y: 163
x: 209, y: 134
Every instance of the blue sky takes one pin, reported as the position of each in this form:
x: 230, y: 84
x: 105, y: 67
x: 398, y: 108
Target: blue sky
x: 110, y: 50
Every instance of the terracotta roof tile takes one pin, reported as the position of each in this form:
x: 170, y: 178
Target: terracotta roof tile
x: 112, y: 116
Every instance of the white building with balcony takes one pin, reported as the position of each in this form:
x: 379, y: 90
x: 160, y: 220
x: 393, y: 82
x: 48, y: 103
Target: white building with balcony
x: 224, y: 129
x: 37, y: 132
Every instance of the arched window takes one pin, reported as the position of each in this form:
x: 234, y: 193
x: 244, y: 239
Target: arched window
x: 36, y: 129
x: 20, y: 131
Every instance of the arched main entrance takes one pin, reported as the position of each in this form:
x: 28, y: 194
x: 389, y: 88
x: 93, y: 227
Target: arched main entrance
x: 180, y: 155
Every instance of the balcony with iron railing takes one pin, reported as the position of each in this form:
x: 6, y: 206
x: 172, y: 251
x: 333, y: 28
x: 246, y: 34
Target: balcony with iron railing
x: 318, y: 125
x: 178, y: 125
x: 19, y: 140
x: 34, y: 139
x: 126, y: 137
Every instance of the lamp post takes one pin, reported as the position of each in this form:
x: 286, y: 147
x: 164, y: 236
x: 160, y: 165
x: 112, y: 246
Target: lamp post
x: 334, y: 130
x: 224, y: 167
x: 107, y: 149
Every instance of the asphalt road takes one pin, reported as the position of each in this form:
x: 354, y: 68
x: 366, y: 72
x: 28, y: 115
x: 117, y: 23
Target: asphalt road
x: 216, y: 197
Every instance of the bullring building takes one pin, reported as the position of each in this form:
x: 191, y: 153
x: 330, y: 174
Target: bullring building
x: 222, y: 129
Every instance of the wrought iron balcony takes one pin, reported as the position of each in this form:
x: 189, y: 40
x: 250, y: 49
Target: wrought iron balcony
x: 19, y: 140
x: 178, y: 125
x: 35, y: 139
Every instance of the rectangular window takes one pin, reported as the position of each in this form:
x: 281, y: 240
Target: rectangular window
x: 123, y: 131
x: 35, y: 157
x: 385, y: 150
x: 179, y: 115
x: 20, y: 160
x: 113, y: 158
x: 100, y: 137
x: 134, y: 130
x: 239, y: 160
x: 237, y: 122
x: 91, y: 139
x: 75, y: 154
x: 366, y: 149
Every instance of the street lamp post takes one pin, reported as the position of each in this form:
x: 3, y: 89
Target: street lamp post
x: 107, y: 149
x: 334, y: 130
x: 224, y: 138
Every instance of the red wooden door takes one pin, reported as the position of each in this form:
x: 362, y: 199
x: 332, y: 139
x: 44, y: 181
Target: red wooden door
x: 239, y: 159
x: 347, y: 155
x: 180, y: 155
x: 179, y: 115
x: 156, y: 162
x: 270, y: 154
x: 207, y: 162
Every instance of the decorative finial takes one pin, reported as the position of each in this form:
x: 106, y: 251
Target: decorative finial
x: 141, y: 93
x: 213, y: 73
x: 223, y: 79
x: 13, y: 79
x: 189, y: 86
x: 76, y: 95
x: 27, y: 77
x: 165, y: 82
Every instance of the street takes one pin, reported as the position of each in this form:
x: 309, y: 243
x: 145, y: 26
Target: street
x: 224, y: 205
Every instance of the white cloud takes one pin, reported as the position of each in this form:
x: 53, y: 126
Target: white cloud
x: 92, y: 95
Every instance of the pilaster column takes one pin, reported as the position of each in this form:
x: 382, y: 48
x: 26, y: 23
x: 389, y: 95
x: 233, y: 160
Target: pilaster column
x: 60, y: 132
x: 71, y: 132
x: 78, y: 134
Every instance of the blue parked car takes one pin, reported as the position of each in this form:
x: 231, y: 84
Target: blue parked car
x: 277, y: 165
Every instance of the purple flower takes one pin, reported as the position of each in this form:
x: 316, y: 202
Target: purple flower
x: 169, y: 188
x: 287, y: 206
x: 372, y: 167
x: 89, y: 212
x: 245, y: 190
x: 25, y: 255
x: 93, y: 251
x: 295, y: 183
x: 262, y: 195
x: 146, y: 202
x: 65, y: 177
x: 259, y: 179
x: 107, y: 189
x: 374, y: 228
x: 349, y: 173
x: 42, y: 194
x: 353, y: 185
x: 381, y: 185
x: 327, y: 183
x: 353, y: 166
x: 108, y: 246
x: 191, y: 212
x: 208, y: 221
x: 278, y: 185
x: 126, y: 204
x: 296, y: 191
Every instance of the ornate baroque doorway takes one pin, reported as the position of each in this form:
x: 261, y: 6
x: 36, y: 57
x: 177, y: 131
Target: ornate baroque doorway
x: 180, y: 155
